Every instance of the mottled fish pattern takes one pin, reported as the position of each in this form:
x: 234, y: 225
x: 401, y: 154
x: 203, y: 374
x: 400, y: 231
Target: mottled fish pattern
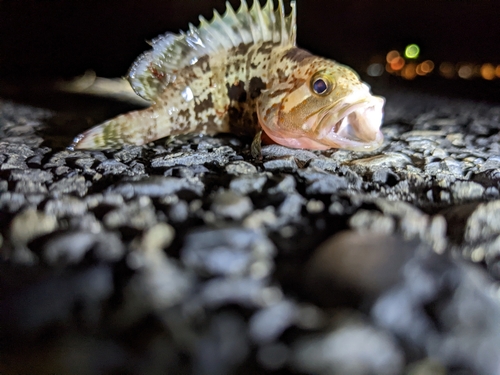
x: 242, y: 73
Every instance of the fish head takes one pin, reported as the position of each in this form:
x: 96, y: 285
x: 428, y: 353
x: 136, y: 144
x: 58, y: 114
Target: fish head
x: 322, y: 105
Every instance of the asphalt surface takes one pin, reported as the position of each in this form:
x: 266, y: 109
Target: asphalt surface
x: 188, y: 256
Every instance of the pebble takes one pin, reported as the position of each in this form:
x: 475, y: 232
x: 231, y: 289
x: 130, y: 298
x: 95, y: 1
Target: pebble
x: 30, y: 224
x: 231, y: 205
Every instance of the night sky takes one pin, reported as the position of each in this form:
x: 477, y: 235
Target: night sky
x: 63, y: 38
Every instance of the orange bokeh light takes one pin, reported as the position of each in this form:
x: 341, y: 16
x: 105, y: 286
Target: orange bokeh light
x: 487, y: 71
x: 409, y: 71
x: 397, y: 63
x: 392, y: 55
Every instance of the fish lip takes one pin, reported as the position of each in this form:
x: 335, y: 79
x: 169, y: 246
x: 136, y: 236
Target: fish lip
x: 338, y: 135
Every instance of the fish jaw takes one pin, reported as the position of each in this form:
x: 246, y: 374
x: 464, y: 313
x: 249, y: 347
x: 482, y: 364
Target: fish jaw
x: 353, y: 127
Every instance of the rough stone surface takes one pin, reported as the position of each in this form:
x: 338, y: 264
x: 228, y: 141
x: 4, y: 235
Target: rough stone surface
x: 189, y: 256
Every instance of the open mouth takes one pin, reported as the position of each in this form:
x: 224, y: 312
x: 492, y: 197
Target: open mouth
x: 355, y: 126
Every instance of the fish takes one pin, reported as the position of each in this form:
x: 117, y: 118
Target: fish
x: 243, y: 73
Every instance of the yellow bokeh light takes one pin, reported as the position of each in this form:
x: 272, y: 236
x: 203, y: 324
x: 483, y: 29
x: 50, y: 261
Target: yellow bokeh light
x: 398, y: 63
x: 391, y: 56
x: 447, y: 69
x: 487, y: 71
x: 409, y: 71
x: 412, y: 51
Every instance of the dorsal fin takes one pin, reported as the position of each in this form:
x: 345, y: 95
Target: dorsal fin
x: 155, y: 69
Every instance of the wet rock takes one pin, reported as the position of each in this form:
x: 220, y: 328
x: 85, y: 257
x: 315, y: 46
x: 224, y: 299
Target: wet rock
x: 415, y: 311
x: 352, y: 267
x: 277, y: 151
x: 65, y: 206
x: 111, y: 167
x: 268, y: 324
x: 240, y: 167
x: 248, y: 184
x: 286, y: 163
x: 322, y: 183
x: 138, y: 214
x: 462, y: 190
x: 483, y: 222
x: 352, y: 349
x: 232, y: 251
x: 156, y: 186
x: 73, y: 184
x: 224, y: 346
x: 220, y: 156
x: 231, y: 205
x: 31, y: 224
x: 70, y: 248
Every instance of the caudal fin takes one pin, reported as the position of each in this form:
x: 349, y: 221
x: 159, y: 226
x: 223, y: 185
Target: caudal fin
x: 133, y: 128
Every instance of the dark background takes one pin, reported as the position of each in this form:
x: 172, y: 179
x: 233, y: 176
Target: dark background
x: 63, y: 38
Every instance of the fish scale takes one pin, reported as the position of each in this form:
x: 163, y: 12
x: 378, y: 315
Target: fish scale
x: 242, y: 73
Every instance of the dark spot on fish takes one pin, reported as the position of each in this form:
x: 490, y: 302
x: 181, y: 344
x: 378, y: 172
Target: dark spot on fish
x: 255, y: 87
x: 204, y: 105
x: 266, y: 48
x: 242, y: 48
x: 297, y: 55
x: 237, y: 92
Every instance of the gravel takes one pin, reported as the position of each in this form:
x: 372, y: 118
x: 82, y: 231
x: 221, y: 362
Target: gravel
x: 188, y: 256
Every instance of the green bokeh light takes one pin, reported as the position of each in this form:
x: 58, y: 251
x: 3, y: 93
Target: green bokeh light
x: 412, y: 51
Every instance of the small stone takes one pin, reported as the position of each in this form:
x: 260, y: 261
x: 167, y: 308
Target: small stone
x: 231, y: 205
x: 483, y: 223
x: 73, y: 184
x: 248, y: 184
x: 466, y: 190
x: 70, y: 248
x: 354, y: 348
x: 29, y: 225
x: 240, y: 167
x: 111, y: 167
x: 278, y: 151
x: 372, y: 221
x: 268, y: 324
x: 65, y: 206
x: 138, y: 214
x: 285, y: 163
x: 157, y: 186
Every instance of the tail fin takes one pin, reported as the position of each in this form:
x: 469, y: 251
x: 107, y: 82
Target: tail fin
x: 135, y: 128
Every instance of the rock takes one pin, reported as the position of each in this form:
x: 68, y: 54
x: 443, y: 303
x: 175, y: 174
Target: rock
x: 231, y: 205
x: 240, y: 168
x: 352, y: 349
x: 157, y: 186
x: 466, y: 190
x: 231, y: 251
x: 286, y: 163
x: 138, y: 214
x: 248, y: 184
x: 268, y: 324
x: 70, y: 248
x: 73, y: 184
x: 352, y: 267
x: 483, y: 223
x: 111, y: 167
x: 29, y: 225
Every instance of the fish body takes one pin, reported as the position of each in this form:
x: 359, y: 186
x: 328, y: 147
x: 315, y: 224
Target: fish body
x: 243, y: 73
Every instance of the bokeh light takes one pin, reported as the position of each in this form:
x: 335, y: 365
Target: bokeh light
x: 375, y: 70
x: 487, y: 71
x: 465, y: 71
x: 497, y: 71
x: 409, y: 71
x: 412, y: 51
x: 391, y: 56
x: 398, y: 63
x: 447, y: 69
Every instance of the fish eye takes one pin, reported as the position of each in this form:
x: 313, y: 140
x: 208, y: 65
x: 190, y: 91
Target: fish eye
x: 320, y: 85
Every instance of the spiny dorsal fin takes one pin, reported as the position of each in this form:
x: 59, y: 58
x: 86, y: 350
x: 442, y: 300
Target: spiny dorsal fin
x: 154, y: 69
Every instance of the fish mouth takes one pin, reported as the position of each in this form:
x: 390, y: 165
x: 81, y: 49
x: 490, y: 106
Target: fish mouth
x: 353, y: 126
